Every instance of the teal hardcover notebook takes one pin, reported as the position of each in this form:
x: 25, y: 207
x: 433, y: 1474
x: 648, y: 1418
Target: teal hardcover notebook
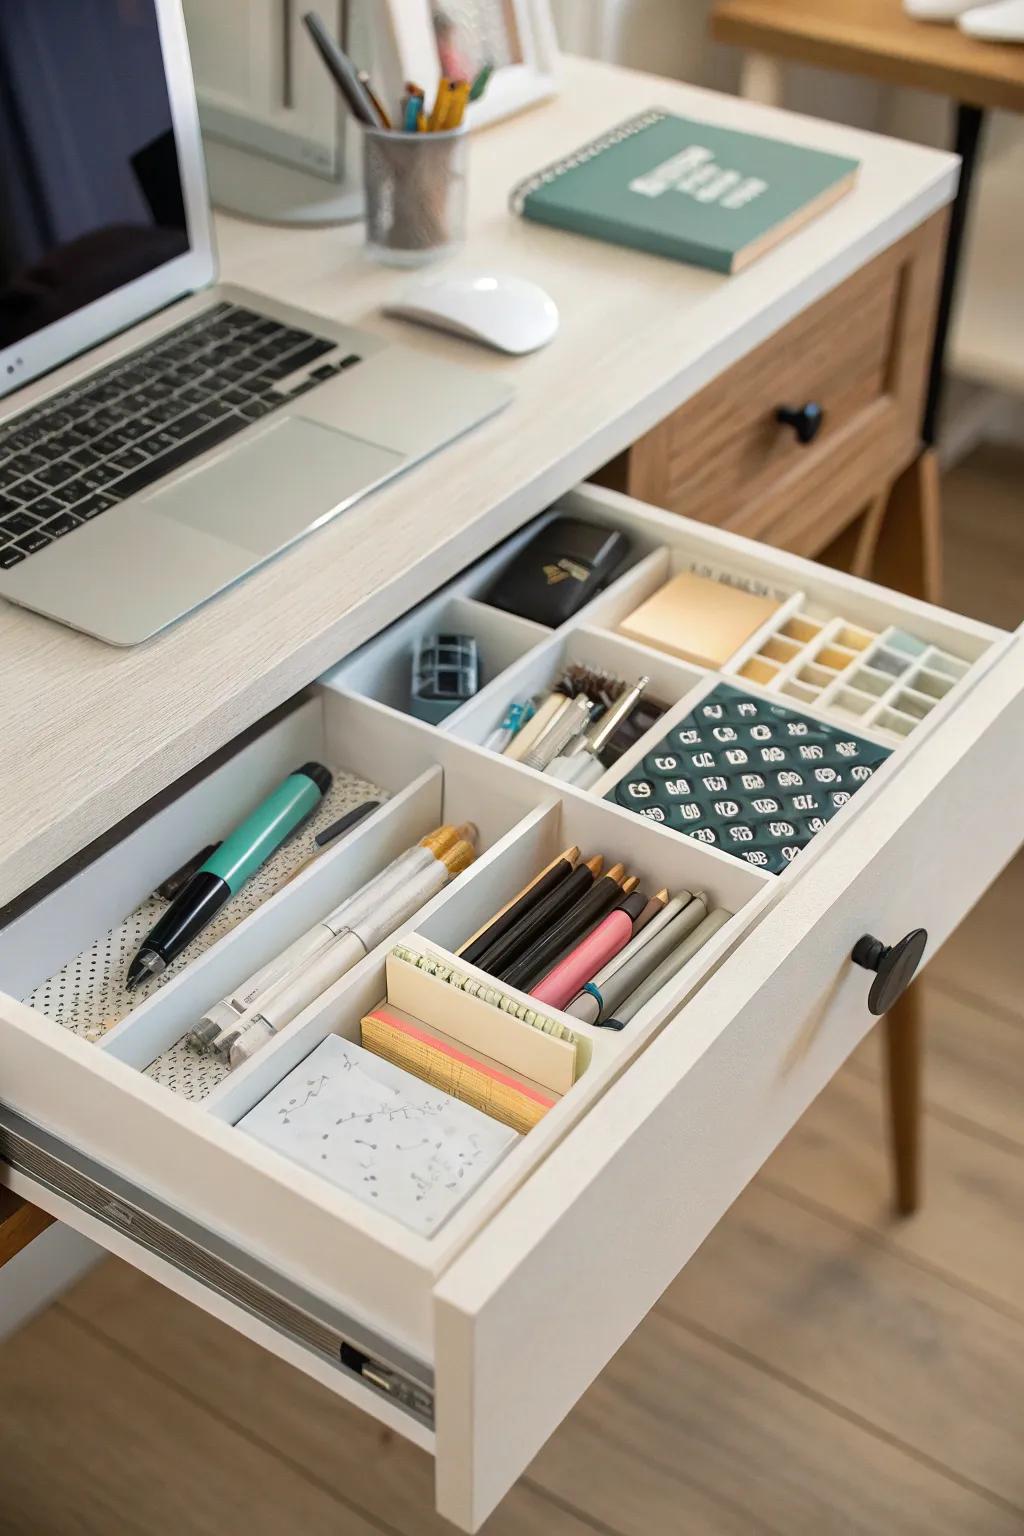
x: 675, y: 187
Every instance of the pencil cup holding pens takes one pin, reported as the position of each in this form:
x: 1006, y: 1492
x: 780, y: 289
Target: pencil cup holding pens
x: 416, y: 185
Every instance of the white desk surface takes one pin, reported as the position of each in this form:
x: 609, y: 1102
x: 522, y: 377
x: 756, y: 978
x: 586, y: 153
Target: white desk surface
x: 639, y: 335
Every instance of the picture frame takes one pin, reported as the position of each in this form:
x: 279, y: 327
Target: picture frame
x: 517, y: 36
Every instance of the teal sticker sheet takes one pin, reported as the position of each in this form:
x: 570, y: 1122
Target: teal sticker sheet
x: 749, y: 776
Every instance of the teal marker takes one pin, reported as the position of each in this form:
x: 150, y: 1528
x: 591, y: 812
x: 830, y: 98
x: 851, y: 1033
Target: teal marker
x: 227, y: 869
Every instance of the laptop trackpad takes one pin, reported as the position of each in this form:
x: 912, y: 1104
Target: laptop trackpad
x: 263, y: 493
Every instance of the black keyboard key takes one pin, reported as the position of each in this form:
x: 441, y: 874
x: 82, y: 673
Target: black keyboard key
x: 102, y: 420
x: 10, y: 556
x: 218, y: 432
x: 92, y: 505
x: 194, y: 395
x: 8, y: 504
x: 125, y: 436
x: 58, y: 526
x: 185, y: 426
x: 162, y: 411
x: 236, y: 396
x: 58, y: 472
x: 299, y: 358
x: 32, y: 542
x: 134, y: 378
x: 347, y: 362
x: 17, y: 523
x: 105, y: 394
x: 85, y: 458
x: 236, y: 373
x: 129, y: 458
x: 27, y: 490
x: 26, y: 463
x: 159, y: 442
x: 257, y: 408
x: 45, y: 506
x: 96, y: 478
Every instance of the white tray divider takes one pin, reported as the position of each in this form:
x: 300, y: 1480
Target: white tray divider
x: 670, y: 677
x: 298, y: 1038
x: 484, y: 713
x: 607, y: 609
x: 646, y: 743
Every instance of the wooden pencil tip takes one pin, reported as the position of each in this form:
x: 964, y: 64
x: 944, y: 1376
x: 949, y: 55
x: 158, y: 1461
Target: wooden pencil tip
x: 616, y: 873
x: 595, y: 865
x: 661, y: 895
x: 572, y: 854
x: 630, y: 885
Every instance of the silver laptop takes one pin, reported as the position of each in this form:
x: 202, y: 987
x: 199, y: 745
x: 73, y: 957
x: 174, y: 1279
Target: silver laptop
x: 161, y: 459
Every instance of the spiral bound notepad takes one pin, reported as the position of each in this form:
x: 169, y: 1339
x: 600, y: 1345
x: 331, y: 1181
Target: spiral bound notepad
x: 675, y: 187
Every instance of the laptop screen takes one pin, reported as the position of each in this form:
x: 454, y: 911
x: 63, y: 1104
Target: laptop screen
x: 90, y: 185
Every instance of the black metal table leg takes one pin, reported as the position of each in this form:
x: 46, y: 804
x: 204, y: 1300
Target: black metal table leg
x: 969, y: 124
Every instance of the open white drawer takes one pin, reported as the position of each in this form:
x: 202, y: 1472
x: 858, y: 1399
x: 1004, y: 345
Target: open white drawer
x: 475, y: 1342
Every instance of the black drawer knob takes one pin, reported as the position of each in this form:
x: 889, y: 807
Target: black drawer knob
x: 894, y: 966
x: 805, y: 420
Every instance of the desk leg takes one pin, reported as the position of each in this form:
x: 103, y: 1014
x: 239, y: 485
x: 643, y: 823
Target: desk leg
x: 19, y: 1224
x: 761, y: 79
x: 907, y: 549
x: 969, y: 124
x: 903, y: 1050
x: 907, y: 555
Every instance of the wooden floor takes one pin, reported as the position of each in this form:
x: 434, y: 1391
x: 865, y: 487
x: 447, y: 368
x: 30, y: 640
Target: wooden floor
x: 818, y: 1368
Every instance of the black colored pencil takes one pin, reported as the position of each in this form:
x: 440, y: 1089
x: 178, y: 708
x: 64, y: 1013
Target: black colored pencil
x: 585, y: 914
x: 558, y: 870
x: 534, y: 922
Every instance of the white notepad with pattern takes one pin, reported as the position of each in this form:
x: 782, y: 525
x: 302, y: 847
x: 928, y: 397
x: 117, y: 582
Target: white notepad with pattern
x: 380, y: 1133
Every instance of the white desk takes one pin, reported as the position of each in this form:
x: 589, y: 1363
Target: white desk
x: 639, y: 336
x: 653, y: 1144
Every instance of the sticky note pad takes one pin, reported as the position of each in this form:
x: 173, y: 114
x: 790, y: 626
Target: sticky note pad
x: 698, y: 619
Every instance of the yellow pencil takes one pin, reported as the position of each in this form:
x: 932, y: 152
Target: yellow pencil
x: 459, y: 98
x: 437, y: 116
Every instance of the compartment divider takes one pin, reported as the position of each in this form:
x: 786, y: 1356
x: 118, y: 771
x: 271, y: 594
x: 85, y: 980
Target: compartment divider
x: 626, y: 592
x: 254, y: 1079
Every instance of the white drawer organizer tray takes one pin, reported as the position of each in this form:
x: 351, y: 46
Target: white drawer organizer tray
x: 475, y: 1342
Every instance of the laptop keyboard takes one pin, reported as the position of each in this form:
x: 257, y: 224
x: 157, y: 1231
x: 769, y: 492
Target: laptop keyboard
x: 98, y: 442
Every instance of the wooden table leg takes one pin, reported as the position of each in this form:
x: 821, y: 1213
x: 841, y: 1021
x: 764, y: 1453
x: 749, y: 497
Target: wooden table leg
x: 907, y: 551
x: 903, y: 1049
x: 907, y: 555
x: 19, y: 1224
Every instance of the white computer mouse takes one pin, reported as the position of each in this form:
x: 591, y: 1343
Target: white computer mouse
x: 507, y: 313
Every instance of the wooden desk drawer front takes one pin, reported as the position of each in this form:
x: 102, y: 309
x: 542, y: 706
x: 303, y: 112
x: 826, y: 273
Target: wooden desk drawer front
x: 861, y: 353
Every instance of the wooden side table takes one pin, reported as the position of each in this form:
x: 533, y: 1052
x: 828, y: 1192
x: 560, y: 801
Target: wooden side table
x: 878, y: 39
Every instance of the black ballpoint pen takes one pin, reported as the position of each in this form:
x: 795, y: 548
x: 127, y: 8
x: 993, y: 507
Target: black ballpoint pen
x: 342, y: 71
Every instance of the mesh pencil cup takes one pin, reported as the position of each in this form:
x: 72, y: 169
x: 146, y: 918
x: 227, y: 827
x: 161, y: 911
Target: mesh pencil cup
x: 415, y: 194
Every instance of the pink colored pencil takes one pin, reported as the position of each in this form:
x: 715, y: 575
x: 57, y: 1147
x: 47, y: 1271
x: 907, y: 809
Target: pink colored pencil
x: 571, y: 974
